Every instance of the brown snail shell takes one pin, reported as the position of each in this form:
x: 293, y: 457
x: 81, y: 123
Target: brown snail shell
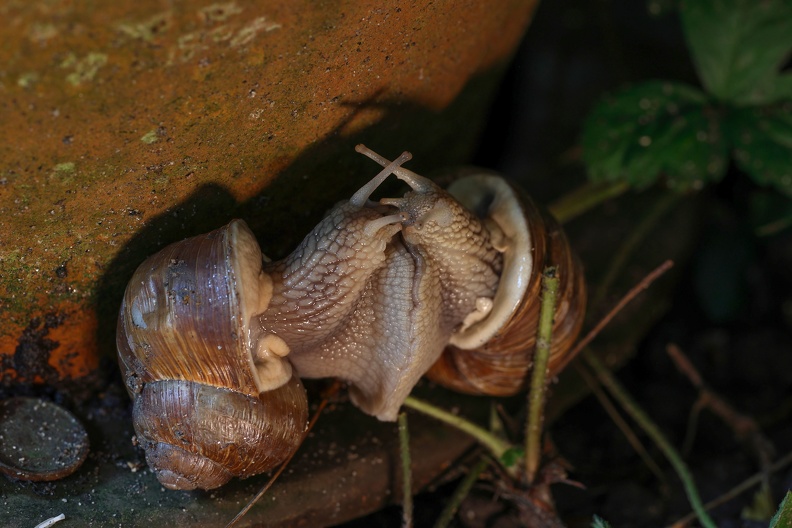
x: 200, y: 436
x: 203, y: 408
x: 499, y: 365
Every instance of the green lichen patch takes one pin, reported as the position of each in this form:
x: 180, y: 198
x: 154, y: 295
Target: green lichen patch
x: 27, y: 79
x: 249, y: 32
x: 64, y: 169
x: 83, y: 70
x: 63, y: 172
x: 150, y: 137
x: 219, y: 12
x: 39, y: 32
x: 149, y: 29
x: 186, y: 46
x: 222, y: 33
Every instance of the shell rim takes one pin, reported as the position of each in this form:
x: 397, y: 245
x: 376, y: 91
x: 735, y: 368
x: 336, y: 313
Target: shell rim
x: 253, y: 291
x: 506, y: 210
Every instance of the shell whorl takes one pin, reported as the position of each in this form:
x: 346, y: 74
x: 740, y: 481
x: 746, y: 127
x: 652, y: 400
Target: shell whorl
x: 500, y: 366
x: 186, y: 314
x: 199, y: 436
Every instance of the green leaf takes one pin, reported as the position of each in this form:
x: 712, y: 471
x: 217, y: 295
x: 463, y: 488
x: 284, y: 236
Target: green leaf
x: 762, y: 142
x: 512, y: 456
x: 783, y: 517
x: 738, y: 46
x: 651, y: 129
x: 783, y: 87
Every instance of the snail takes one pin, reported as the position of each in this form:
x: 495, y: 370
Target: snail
x: 494, y: 357
x: 213, y: 338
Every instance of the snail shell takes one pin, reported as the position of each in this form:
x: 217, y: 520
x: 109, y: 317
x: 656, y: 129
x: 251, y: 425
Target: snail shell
x: 493, y: 357
x: 205, y: 406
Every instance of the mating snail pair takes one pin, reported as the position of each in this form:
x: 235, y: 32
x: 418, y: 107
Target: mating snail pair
x: 213, y: 337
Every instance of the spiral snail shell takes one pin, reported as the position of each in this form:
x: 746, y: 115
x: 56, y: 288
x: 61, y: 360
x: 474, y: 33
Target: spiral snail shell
x: 495, y: 357
x: 212, y: 337
x: 205, y: 408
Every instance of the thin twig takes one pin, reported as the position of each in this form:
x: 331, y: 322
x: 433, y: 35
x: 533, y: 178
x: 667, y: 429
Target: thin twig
x: 740, y: 488
x: 629, y: 296
x: 650, y: 428
x: 404, y: 445
x: 536, y: 395
x: 460, y: 493
x: 692, y: 427
x: 745, y: 428
x: 322, y: 404
x: 620, y: 422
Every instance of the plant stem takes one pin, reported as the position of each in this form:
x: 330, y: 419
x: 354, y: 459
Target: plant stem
x: 495, y: 445
x: 536, y: 396
x: 460, y: 493
x: 404, y: 444
x: 585, y: 197
x: 650, y: 428
x: 621, y: 423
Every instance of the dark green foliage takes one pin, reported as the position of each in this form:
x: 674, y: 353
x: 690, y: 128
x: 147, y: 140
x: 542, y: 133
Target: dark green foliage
x: 762, y: 141
x: 686, y: 135
x: 739, y: 46
x: 653, y: 128
x: 512, y: 456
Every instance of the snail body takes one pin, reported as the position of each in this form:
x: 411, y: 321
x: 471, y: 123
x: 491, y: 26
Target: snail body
x: 213, y: 337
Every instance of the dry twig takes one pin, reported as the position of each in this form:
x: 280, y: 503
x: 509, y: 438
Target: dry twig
x: 745, y: 428
x: 629, y: 296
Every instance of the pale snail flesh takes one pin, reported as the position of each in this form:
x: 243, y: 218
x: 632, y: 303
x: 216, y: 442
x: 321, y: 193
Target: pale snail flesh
x: 372, y: 296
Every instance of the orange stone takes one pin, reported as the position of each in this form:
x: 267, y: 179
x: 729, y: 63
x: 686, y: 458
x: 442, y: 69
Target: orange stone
x: 128, y: 127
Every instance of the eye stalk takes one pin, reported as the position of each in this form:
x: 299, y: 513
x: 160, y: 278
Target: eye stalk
x: 416, y: 182
x: 360, y: 198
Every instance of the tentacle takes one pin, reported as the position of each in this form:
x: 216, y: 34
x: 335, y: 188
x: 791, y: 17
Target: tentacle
x: 359, y: 198
x: 399, y: 203
x: 375, y: 225
x: 417, y: 182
